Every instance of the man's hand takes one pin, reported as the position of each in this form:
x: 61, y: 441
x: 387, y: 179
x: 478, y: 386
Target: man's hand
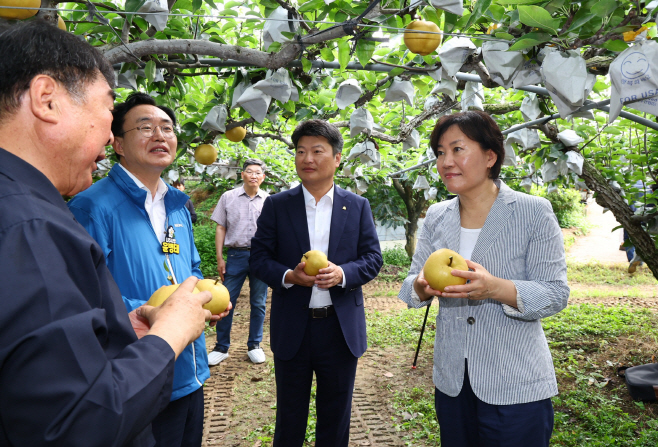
x: 215, y: 318
x: 181, y: 318
x: 140, y: 325
x: 221, y: 267
x: 329, y: 276
x: 299, y: 277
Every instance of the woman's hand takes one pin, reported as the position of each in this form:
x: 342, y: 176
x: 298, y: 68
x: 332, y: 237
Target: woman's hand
x: 423, y: 289
x: 482, y: 285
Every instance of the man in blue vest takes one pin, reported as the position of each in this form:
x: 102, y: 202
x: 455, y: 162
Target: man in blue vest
x: 145, y: 232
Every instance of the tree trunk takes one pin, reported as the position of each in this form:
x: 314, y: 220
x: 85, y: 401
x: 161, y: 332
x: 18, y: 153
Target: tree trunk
x: 414, y: 202
x: 608, y: 198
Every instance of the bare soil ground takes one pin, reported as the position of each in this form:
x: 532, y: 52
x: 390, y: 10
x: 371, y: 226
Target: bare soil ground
x: 240, y: 396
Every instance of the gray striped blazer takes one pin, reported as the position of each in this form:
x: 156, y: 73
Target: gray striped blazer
x: 508, y: 357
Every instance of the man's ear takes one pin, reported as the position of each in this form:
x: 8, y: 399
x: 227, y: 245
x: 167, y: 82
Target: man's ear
x: 46, y: 95
x: 338, y: 157
x: 117, y: 145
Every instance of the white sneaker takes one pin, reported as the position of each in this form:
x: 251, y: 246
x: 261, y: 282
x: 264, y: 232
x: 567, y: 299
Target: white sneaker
x: 216, y: 357
x: 256, y: 355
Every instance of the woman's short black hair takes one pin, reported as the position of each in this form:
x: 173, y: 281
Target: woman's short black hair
x: 319, y: 128
x: 478, y: 126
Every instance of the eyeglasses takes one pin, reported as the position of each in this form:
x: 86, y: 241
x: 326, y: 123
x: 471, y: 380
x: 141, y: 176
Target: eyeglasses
x: 148, y: 130
x: 251, y: 173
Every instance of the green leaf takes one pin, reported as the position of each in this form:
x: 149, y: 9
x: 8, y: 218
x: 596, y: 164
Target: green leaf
x: 480, y: 8
x: 274, y: 47
x: 196, y: 4
x: 518, y: 2
x: 538, y: 17
x: 343, y: 53
x: 364, y: 50
x: 604, y: 8
x: 496, y: 12
x: 150, y: 71
x: 133, y: 6
x: 311, y: 6
x: 615, y: 45
x: 327, y: 54
x: 451, y: 21
x: 583, y: 16
x: 530, y: 40
x: 396, y: 71
x: 306, y: 65
x: 230, y: 23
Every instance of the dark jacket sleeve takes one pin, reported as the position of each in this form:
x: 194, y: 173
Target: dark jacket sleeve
x: 264, y: 247
x: 369, y: 256
x: 190, y: 207
x: 72, y: 372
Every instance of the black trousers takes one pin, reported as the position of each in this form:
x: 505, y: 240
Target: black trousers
x: 466, y: 421
x: 325, y: 352
x: 181, y: 422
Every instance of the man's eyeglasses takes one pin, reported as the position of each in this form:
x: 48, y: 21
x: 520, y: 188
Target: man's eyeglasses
x: 251, y: 173
x: 148, y: 130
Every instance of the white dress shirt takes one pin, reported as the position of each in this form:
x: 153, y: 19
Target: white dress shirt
x: 318, y: 220
x: 155, y: 206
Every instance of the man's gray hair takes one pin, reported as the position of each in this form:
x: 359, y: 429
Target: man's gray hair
x: 254, y: 161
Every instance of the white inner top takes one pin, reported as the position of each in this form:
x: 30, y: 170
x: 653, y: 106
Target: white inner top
x: 467, y: 241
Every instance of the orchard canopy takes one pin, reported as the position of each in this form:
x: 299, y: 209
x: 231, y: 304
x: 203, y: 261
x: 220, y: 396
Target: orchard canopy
x: 588, y: 68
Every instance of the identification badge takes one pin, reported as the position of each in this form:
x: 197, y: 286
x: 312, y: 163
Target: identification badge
x: 169, y: 245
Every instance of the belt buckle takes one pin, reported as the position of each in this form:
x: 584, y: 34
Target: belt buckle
x: 318, y: 314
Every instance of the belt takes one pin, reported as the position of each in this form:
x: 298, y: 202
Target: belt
x: 321, y: 312
x: 240, y: 248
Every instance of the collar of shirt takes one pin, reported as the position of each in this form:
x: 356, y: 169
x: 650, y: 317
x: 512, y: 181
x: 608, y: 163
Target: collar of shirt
x: 308, y: 196
x: 260, y: 193
x: 154, y: 206
x: 159, y: 193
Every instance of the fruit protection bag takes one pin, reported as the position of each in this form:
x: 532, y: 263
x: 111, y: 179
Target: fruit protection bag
x: 530, y: 107
x: 400, y: 90
x: 566, y: 80
x: 348, y: 93
x: 413, y: 140
x: 361, y: 121
x: 454, y: 53
x: 255, y: 102
x: 216, y: 119
x: 502, y: 64
x: 157, y: 13
x: 472, y: 96
x: 276, y: 84
x: 453, y: 6
x: 634, y: 75
x: 281, y: 21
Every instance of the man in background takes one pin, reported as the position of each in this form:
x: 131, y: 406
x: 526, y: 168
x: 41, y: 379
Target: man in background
x: 236, y: 214
x: 73, y: 371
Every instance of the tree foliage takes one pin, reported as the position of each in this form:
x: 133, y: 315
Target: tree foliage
x: 210, y: 48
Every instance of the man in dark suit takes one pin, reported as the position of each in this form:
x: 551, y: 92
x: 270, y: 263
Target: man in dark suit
x: 317, y: 323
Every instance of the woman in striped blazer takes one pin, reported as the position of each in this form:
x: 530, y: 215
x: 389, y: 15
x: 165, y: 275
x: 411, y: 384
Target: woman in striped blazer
x: 493, y: 370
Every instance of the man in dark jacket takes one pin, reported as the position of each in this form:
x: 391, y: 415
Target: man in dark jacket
x: 73, y: 371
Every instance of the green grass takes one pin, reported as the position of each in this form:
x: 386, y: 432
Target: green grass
x: 616, y: 292
x: 590, y: 410
x: 617, y: 274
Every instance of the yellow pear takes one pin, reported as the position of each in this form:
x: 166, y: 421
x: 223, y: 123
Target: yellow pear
x: 315, y: 260
x: 220, y: 295
x: 60, y: 23
x: 19, y: 13
x: 422, y: 43
x: 438, y: 267
x: 205, y: 154
x: 160, y: 295
x: 236, y: 134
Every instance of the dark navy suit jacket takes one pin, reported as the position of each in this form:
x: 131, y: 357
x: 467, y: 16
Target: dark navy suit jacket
x: 280, y: 241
